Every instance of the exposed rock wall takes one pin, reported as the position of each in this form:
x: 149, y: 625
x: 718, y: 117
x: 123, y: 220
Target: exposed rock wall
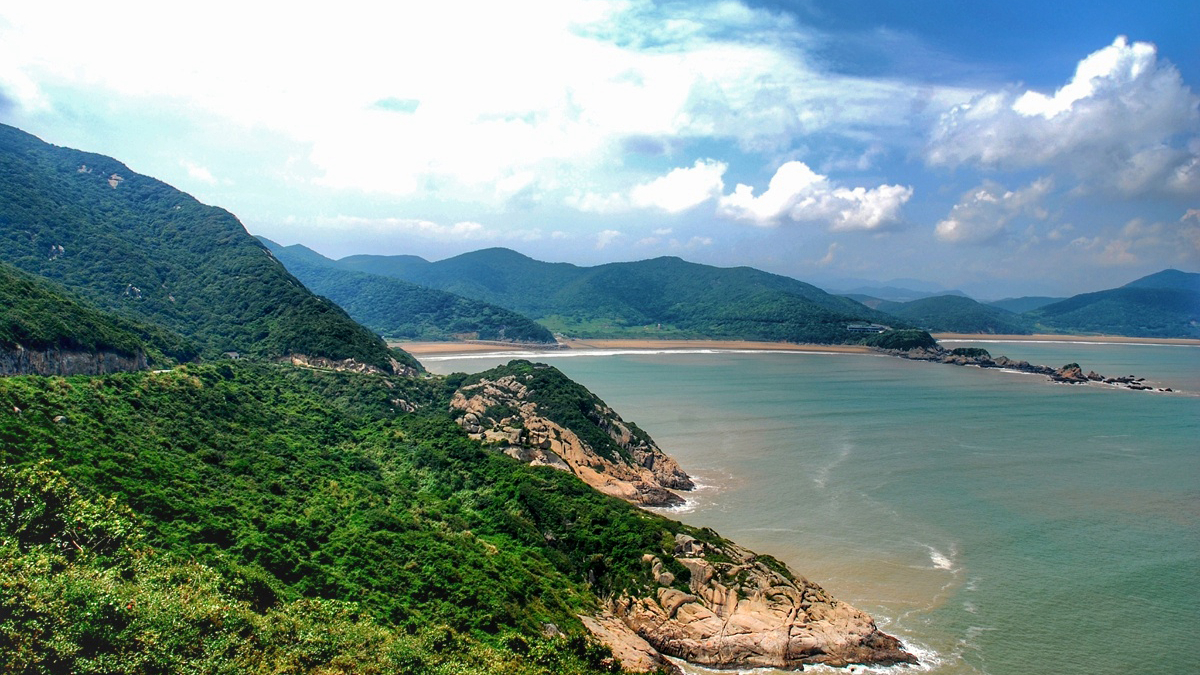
x: 21, y: 361
x: 647, y: 479
x: 740, y: 610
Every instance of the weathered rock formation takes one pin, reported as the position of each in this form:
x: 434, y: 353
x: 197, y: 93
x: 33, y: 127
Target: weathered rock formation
x: 641, y: 473
x: 738, y: 610
x: 1068, y: 374
x: 52, y: 361
x: 351, y: 365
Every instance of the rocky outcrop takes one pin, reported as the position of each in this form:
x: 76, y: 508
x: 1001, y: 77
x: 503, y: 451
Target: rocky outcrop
x: 351, y: 365
x: 503, y: 413
x: 1071, y: 373
x: 21, y: 361
x: 738, y: 610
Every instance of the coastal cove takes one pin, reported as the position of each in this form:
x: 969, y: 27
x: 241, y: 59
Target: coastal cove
x: 960, y: 507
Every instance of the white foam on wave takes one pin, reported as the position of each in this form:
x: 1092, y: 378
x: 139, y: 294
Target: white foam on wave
x: 1069, y: 342
x: 577, y: 353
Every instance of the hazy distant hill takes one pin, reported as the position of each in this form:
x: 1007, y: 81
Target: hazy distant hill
x: 400, y: 309
x: 958, y: 314
x: 1024, y: 304
x: 136, y: 246
x: 662, y: 297
x: 1165, y: 304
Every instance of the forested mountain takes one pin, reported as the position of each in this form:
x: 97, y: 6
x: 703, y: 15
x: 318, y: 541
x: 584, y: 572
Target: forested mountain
x: 1165, y: 304
x: 37, y: 314
x: 1024, y: 304
x: 136, y: 246
x: 958, y: 314
x: 398, y: 309
x: 663, y: 297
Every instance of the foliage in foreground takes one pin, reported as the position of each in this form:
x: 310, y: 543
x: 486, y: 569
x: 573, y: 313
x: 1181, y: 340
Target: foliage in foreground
x: 82, y: 594
x: 298, y: 491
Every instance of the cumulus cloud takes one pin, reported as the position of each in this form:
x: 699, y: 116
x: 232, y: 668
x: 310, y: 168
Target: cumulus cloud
x: 679, y: 190
x: 607, y: 237
x: 799, y: 194
x: 682, y: 188
x: 410, y: 226
x: 559, y: 88
x: 1117, y: 124
x: 984, y: 212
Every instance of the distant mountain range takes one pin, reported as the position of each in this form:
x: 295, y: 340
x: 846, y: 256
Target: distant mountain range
x: 399, y: 309
x: 1164, y: 304
x: 663, y: 297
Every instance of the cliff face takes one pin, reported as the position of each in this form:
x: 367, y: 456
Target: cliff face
x: 500, y: 411
x: 21, y: 361
x: 740, y: 610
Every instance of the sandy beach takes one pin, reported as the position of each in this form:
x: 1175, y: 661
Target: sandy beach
x: 1113, y: 339
x: 426, y: 348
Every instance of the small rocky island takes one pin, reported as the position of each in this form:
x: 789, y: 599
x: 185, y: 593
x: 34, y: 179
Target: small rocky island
x: 1071, y: 373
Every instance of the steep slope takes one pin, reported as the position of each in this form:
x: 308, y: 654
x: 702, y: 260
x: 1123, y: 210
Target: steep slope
x: 664, y: 296
x: 44, y: 330
x: 536, y: 414
x: 399, y: 309
x: 138, y: 247
x: 958, y: 314
x: 1165, y: 305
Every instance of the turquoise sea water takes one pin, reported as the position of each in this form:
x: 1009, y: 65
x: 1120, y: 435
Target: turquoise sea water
x: 993, y: 521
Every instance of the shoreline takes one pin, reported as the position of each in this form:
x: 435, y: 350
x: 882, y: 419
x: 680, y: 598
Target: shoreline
x: 584, y: 344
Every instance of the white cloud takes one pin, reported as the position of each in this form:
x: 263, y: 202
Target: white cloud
x: 410, y: 226
x: 197, y: 172
x: 409, y: 98
x: 1115, y: 125
x: 798, y: 193
x: 682, y: 188
x: 607, y: 237
x: 984, y: 212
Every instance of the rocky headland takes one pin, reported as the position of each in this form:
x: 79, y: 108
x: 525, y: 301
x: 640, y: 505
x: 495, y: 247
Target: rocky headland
x: 731, y: 608
x: 503, y: 412
x: 1071, y: 373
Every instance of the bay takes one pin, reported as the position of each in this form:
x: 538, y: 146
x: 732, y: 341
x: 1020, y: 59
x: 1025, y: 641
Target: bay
x: 993, y: 521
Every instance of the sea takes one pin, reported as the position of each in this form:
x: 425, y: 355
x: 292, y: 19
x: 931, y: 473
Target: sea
x: 995, y: 522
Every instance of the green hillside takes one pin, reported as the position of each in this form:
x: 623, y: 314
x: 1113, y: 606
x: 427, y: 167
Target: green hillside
x: 299, y: 497
x: 1024, y: 304
x: 399, y: 309
x: 36, y: 313
x: 663, y: 297
x: 1133, y: 311
x: 142, y: 249
x: 958, y: 314
x: 1184, y: 281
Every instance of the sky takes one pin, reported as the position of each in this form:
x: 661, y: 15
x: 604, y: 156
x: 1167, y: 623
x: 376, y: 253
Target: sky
x: 1001, y: 148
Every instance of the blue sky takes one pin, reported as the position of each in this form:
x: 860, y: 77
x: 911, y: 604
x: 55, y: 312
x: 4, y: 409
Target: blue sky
x: 1001, y: 148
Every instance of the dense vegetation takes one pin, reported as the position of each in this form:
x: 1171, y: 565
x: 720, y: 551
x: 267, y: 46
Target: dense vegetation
x: 399, y: 309
x: 83, y: 593
x: 299, y: 490
x: 663, y: 297
x: 958, y: 314
x: 1142, y: 312
x: 138, y: 247
x: 901, y: 339
x: 35, y: 313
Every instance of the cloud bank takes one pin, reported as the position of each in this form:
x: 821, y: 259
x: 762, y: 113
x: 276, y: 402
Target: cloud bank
x: 1125, y: 121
